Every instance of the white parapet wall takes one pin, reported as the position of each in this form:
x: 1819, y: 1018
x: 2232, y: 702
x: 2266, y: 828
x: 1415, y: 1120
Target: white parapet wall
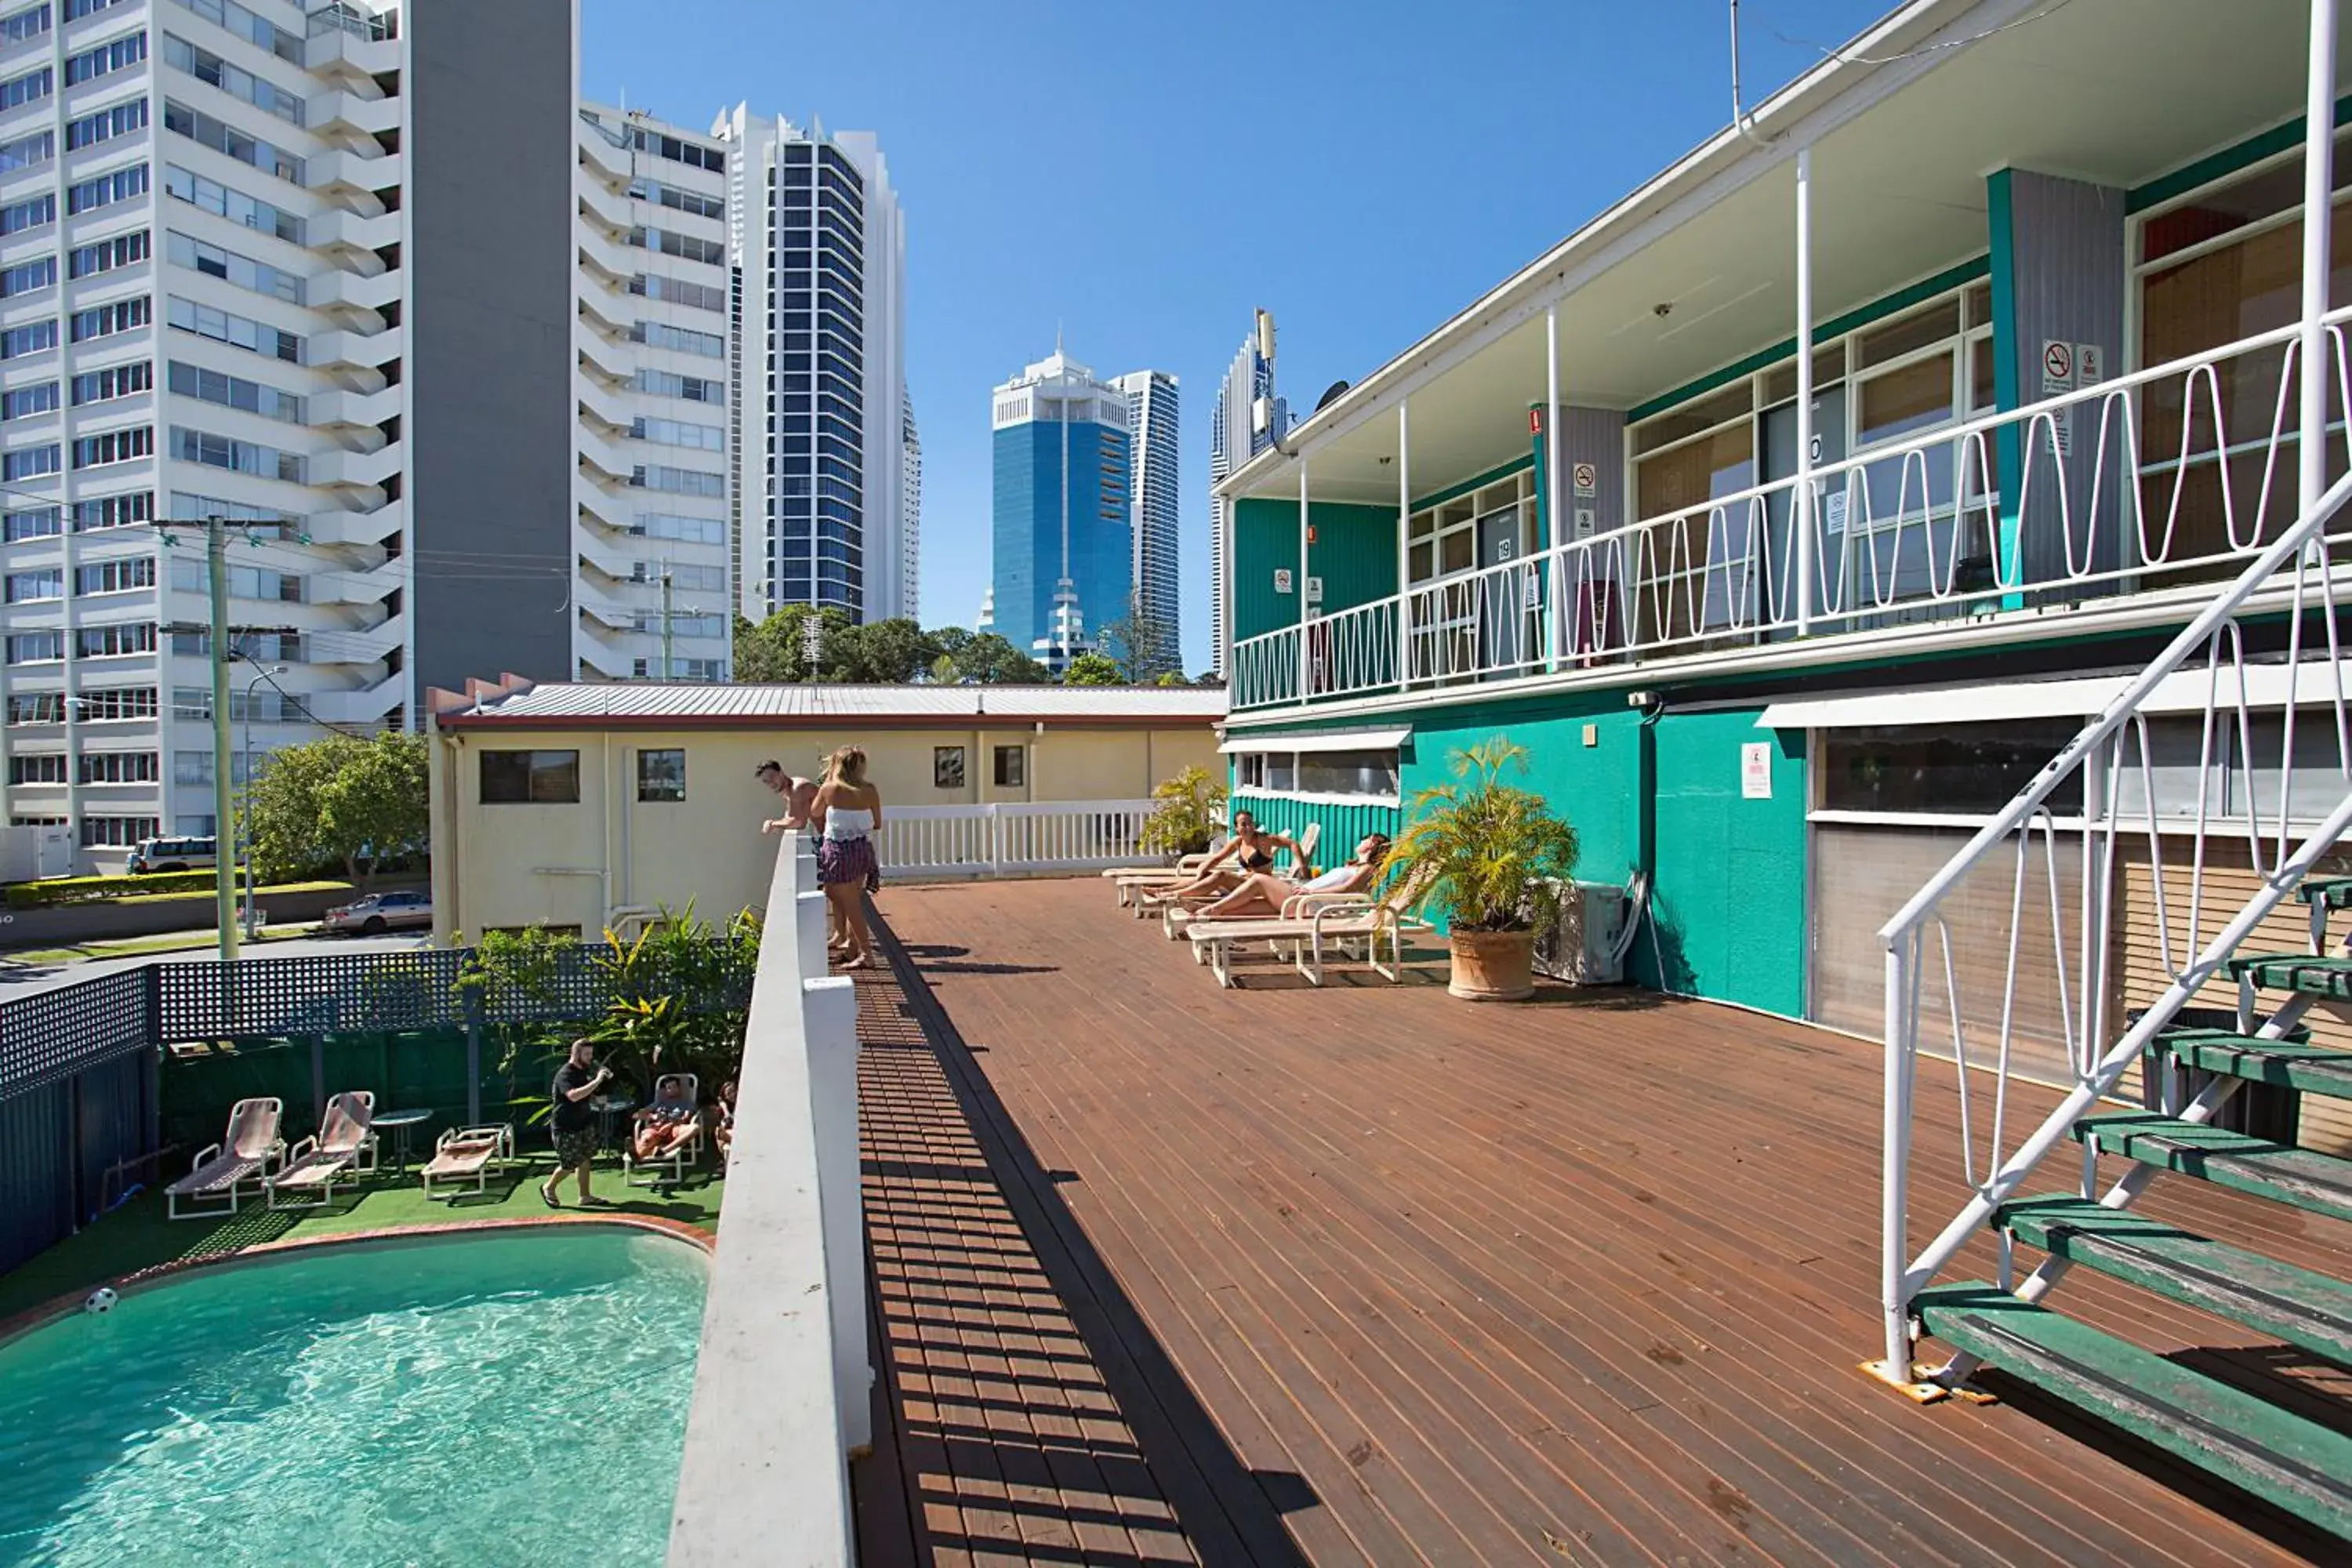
x: 781, y: 1391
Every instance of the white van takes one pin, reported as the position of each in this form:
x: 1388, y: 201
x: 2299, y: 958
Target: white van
x: 173, y: 855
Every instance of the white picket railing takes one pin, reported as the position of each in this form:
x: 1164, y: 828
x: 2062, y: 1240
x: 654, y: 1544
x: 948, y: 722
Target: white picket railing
x: 2163, y: 482
x: 783, y: 1388
x: 1016, y: 839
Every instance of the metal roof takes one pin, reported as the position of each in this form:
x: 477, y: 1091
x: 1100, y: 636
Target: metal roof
x: 590, y: 705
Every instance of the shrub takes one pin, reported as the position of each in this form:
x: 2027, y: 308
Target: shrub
x: 1185, y: 818
x: 1485, y: 855
x: 98, y: 889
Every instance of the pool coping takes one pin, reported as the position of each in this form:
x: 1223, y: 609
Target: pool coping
x: 66, y: 1304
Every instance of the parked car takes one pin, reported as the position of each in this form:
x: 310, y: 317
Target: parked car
x: 380, y: 913
x: 173, y: 854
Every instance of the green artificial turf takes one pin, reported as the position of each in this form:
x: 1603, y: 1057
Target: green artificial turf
x: 138, y: 1235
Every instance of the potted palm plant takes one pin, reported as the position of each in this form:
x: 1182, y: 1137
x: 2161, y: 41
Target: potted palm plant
x: 1185, y: 817
x: 1487, y: 858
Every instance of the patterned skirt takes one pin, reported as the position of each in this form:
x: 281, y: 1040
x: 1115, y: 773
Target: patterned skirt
x: 847, y: 860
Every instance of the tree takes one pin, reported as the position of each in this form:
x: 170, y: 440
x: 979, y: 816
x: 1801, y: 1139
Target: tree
x: 1093, y: 669
x: 777, y: 649
x: 339, y: 801
x: 1172, y: 678
x: 888, y: 653
x: 987, y: 659
x: 1141, y: 644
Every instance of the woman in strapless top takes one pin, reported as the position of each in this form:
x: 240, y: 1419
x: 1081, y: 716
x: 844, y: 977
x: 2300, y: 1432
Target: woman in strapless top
x: 847, y: 811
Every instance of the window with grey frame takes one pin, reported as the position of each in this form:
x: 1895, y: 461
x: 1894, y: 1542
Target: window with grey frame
x: 661, y: 774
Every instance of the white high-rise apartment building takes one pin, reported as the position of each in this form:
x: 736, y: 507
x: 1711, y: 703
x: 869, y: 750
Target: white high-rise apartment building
x: 819, y: 250
x: 1153, y: 493
x: 249, y: 269
x: 657, y: 392
x: 910, y: 527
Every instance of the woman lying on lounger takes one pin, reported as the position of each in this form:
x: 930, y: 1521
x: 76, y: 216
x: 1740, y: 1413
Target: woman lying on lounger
x: 1250, y: 853
x: 663, y: 1123
x: 1262, y: 894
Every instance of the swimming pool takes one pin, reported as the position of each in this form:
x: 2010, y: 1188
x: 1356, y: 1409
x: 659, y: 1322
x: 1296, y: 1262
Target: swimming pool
x: 516, y: 1398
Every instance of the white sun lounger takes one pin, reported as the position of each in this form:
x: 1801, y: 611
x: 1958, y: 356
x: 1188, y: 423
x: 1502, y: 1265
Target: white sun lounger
x: 464, y: 1154
x: 1174, y: 915
x: 1307, y: 924
x: 1129, y: 882
x: 245, y: 1154
x: 344, y: 1147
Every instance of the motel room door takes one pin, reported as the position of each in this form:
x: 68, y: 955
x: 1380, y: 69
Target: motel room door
x: 1507, y: 608
x: 1776, y: 590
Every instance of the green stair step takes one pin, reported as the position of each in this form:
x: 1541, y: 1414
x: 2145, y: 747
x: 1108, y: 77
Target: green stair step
x: 2287, y: 1064
x: 2286, y: 1303
x: 2295, y: 1464
x: 2319, y: 1183
x: 2296, y: 971
x: 2336, y: 892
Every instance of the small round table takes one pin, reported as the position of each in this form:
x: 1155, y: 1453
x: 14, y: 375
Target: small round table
x: 400, y: 1121
x: 606, y: 1107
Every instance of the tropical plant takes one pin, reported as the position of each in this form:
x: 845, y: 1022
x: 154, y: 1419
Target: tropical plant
x: 670, y: 999
x: 507, y: 969
x: 1484, y: 854
x: 1185, y: 817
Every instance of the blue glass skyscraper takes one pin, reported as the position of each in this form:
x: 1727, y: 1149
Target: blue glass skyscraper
x: 1063, y: 525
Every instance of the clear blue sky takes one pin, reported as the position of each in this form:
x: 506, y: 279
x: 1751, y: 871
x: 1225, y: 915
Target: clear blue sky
x: 1146, y: 176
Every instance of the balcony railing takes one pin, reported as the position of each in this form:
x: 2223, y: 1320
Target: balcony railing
x: 1017, y: 839
x: 2144, y: 486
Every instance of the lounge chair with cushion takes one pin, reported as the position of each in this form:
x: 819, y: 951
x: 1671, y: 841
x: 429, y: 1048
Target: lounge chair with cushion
x: 245, y: 1154
x: 342, y: 1148
x: 683, y: 1151
x: 1129, y: 882
x: 1306, y: 924
x: 1173, y: 912
x: 464, y: 1154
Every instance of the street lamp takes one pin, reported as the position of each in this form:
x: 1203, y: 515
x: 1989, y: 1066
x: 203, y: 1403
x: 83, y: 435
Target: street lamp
x: 252, y: 911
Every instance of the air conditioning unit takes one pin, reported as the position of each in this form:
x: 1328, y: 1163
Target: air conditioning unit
x: 1582, y: 948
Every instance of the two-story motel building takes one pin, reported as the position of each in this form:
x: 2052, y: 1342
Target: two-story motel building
x: 1780, y: 710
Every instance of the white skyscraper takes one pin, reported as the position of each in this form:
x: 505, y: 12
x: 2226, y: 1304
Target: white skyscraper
x: 819, y: 251
x: 652, y: 490
x: 1247, y: 419
x: 1153, y: 496
x: 250, y: 268
x: 910, y: 527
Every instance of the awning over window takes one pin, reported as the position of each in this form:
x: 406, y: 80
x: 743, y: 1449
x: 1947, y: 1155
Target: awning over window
x: 2185, y: 691
x: 1322, y: 740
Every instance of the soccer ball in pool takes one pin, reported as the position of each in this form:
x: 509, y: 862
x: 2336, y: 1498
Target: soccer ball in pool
x: 101, y: 1299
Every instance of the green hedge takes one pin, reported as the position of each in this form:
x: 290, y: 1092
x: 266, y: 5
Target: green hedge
x: 97, y: 889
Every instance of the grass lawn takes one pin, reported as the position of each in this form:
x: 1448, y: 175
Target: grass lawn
x: 137, y: 1235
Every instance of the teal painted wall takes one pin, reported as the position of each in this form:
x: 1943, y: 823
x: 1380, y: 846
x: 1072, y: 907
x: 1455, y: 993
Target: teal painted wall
x: 1354, y: 553
x: 1728, y: 904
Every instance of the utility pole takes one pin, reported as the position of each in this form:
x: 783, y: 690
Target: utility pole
x: 224, y: 828
x: 668, y: 668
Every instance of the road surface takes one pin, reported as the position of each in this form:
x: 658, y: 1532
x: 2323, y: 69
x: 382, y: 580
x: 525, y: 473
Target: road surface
x: 21, y: 979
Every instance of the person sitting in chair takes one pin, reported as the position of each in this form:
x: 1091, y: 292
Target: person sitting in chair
x: 1247, y: 855
x: 1261, y: 894
x: 722, y: 1119
x: 664, y: 1122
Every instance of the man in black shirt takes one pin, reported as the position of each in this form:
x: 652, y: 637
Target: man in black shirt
x: 574, y: 1121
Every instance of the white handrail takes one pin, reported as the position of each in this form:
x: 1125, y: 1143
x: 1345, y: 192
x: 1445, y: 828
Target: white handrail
x: 2098, y: 513
x: 1010, y: 838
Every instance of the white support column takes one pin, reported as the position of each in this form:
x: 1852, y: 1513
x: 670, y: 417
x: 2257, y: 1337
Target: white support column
x: 1306, y: 661
x: 2318, y: 194
x: 1801, y: 504
x: 1404, y: 547
x: 1555, y: 557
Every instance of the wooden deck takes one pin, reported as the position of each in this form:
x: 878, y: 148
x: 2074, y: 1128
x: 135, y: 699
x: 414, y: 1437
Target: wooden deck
x: 1369, y: 1274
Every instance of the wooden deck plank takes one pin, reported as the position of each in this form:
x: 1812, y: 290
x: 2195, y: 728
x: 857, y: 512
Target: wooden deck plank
x: 1591, y: 1278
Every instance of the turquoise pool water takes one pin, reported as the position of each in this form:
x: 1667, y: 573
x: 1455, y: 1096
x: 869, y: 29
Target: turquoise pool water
x: 510, y: 1398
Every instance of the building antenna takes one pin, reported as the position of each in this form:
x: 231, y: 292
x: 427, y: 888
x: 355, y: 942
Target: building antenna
x: 1743, y: 121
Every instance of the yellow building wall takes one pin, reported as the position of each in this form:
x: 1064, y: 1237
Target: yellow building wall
x: 569, y: 864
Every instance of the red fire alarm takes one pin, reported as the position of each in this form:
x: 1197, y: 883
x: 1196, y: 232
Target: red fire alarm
x: 1311, y: 533
x: 1535, y: 421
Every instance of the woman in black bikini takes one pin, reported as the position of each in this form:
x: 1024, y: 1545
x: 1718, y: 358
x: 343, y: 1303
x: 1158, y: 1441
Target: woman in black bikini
x: 1248, y: 853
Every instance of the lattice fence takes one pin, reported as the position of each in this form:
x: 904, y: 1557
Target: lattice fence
x: 49, y: 1035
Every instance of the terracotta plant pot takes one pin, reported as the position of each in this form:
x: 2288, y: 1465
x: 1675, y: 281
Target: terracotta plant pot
x: 1493, y: 966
